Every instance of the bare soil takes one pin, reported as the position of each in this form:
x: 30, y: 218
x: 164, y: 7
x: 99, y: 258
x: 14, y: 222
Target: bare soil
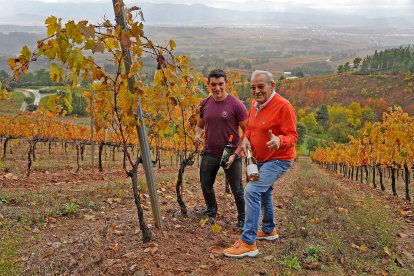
x: 104, y: 236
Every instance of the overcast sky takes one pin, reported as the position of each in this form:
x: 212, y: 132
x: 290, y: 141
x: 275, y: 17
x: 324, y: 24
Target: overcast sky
x: 383, y: 7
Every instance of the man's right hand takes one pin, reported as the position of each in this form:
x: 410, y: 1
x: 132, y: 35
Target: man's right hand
x: 198, y: 140
x: 246, y: 144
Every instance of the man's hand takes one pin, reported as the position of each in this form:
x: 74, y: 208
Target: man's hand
x: 198, y: 139
x: 246, y: 144
x: 231, y: 160
x: 274, y: 142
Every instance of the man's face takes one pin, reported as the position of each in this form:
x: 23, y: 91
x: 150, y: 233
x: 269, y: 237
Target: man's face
x: 261, y: 89
x: 217, y: 86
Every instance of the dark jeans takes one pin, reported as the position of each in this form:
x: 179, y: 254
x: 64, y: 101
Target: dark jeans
x: 208, y: 171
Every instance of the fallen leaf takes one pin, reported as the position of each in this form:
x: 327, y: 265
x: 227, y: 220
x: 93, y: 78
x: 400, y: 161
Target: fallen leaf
x: 51, y: 220
x: 203, y: 222
x: 387, y: 251
x: 402, y: 235
x: 47, y: 253
x: 363, y: 248
x: 384, y: 273
x: 217, y: 250
x: 311, y: 265
x: 153, y: 249
x: 398, y: 262
x: 216, y: 228
x: 110, y: 262
x: 315, y: 220
x: 354, y: 246
x: 342, y: 210
x: 114, y: 200
x: 129, y: 255
x: 89, y: 217
x: 114, y: 247
x: 203, y: 266
x: 403, y: 213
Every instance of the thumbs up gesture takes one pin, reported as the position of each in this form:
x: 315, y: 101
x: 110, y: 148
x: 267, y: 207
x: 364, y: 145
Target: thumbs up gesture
x: 274, y: 142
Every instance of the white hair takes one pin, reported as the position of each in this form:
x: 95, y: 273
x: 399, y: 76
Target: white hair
x: 261, y: 72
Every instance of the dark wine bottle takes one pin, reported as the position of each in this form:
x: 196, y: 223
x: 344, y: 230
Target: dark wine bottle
x: 228, y: 150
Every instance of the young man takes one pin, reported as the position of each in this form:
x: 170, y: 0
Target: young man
x: 271, y: 135
x: 221, y: 115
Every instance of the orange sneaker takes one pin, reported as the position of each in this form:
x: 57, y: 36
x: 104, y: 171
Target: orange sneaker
x: 269, y: 237
x: 241, y: 249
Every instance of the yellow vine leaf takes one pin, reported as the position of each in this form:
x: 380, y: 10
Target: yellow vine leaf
x: 3, y: 93
x: 98, y: 47
x: 133, y: 70
x: 158, y: 78
x: 126, y: 41
x: 111, y: 43
x: 87, y: 95
x: 89, y: 31
x: 203, y: 222
x: 172, y: 45
x: 55, y: 72
x: 136, y: 30
x: 51, y: 23
x: 216, y: 228
x: 26, y: 52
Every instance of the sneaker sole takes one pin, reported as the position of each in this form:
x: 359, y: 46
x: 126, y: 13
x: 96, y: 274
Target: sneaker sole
x: 268, y: 238
x: 251, y: 254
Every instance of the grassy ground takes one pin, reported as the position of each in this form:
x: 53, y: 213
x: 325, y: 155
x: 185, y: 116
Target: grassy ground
x: 330, y: 224
x: 327, y: 226
x: 12, y: 105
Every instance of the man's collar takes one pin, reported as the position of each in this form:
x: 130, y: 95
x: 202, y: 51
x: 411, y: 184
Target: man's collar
x: 258, y: 106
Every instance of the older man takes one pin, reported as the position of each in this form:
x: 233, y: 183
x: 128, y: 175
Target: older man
x: 271, y: 135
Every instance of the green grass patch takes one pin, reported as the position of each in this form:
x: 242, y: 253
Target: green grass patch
x: 10, y: 241
x: 12, y: 105
x: 334, y: 228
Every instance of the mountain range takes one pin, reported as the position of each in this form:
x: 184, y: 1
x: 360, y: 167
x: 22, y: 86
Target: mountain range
x: 34, y: 14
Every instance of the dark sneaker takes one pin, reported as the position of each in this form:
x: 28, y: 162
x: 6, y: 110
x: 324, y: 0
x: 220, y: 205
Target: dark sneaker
x: 269, y: 237
x: 205, y: 213
x: 240, y: 224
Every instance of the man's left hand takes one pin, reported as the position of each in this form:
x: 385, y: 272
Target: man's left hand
x: 274, y: 142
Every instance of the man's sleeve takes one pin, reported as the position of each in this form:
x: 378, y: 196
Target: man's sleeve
x: 247, y: 131
x: 241, y: 112
x: 201, y: 108
x: 289, y: 134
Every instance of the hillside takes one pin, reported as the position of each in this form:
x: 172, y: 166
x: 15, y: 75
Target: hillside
x: 377, y: 91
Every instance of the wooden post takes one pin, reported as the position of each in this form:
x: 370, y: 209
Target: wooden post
x: 142, y: 133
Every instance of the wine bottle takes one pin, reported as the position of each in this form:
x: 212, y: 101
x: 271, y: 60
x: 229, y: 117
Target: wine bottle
x: 228, y: 150
x: 252, y: 170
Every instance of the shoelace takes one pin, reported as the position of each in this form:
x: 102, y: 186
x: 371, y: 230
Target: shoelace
x: 237, y: 243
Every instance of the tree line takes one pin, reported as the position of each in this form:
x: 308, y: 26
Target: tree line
x: 393, y: 61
